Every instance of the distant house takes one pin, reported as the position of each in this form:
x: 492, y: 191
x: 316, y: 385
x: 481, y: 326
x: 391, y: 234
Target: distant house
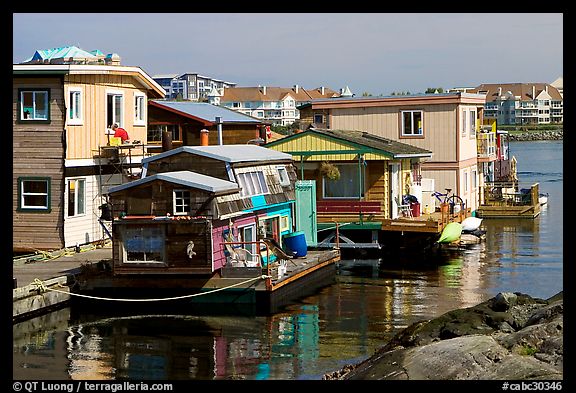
x: 522, y: 103
x: 276, y: 105
x: 63, y: 101
x: 182, y: 123
x: 446, y: 124
x: 190, y: 86
x: 191, y: 200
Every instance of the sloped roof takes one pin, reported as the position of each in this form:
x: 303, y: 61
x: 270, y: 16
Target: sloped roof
x: 524, y: 90
x: 241, y: 94
x: 390, y: 147
x: 205, y: 111
x: 226, y: 153
x: 184, y: 178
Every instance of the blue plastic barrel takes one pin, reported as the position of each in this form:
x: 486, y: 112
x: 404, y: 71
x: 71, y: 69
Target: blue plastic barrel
x: 296, y: 242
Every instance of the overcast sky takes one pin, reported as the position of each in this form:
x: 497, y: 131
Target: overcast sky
x: 376, y: 53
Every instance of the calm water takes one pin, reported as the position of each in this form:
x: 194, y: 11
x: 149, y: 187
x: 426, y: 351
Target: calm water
x: 343, y: 323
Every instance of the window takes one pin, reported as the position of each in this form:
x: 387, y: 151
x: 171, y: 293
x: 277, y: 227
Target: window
x: 348, y: 186
x: 139, y: 108
x: 76, y: 197
x: 284, y: 223
x: 474, y: 179
x: 155, y: 132
x: 283, y: 173
x: 248, y: 234
x: 472, y: 123
x: 252, y: 183
x: 465, y: 181
x: 114, y: 108
x: 74, y: 106
x: 412, y: 123
x: 143, y: 244
x: 464, y: 118
x: 181, y: 202
x: 34, y: 194
x: 34, y: 105
x: 318, y: 119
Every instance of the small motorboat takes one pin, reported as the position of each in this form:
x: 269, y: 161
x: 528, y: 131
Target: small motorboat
x: 543, y: 198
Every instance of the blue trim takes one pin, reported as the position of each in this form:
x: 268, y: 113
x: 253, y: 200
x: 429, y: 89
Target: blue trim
x: 270, y: 206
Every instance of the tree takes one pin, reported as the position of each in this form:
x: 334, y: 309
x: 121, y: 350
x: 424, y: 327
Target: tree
x: 433, y: 90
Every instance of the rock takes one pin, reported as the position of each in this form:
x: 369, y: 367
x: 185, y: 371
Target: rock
x: 509, y: 337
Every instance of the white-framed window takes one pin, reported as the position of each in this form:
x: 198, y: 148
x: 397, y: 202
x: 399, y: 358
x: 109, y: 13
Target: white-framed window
x: 283, y: 173
x: 474, y: 179
x: 248, y: 234
x: 464, y: 122
x: 181, y: 202
x: 412, y: 123
x: 319, y: 119
x: 34, y: 104
x: 75, y: 106
x: 472, y: 123
x: 34, y: 194
x: 465, y: 181
x: 348, y: 186
x: 252, y: 183
x: 139, y: 109
x: 143, y: 244
x: 115, y: 108
x: 76, y: 189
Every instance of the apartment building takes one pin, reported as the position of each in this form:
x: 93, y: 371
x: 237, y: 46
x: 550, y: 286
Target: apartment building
x: 522, y: 103
x: 190, y: 86
x: 276, y: 105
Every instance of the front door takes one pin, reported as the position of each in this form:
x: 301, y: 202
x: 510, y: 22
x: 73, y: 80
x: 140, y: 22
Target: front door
x: 306, y: 210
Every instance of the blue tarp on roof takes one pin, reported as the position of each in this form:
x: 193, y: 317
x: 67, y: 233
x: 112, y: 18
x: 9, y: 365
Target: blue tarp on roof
x: 59, y: 53
x: 208, y: 112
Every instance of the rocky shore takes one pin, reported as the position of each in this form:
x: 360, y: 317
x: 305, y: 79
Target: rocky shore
x: 549, y: 135
x: 512, y: 336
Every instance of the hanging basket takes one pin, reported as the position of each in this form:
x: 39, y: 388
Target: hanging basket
x: 330, y: 171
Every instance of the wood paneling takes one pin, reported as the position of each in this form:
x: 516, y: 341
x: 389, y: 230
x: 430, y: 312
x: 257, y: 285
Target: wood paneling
x: 38, y: 151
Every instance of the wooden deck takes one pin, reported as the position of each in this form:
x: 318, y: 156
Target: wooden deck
x: 510, y: 204
x: 427, y: 223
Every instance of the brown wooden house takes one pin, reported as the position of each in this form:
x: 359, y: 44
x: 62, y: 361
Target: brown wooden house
x: 173, y: 124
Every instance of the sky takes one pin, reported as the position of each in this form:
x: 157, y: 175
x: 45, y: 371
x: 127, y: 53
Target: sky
x: 374, y: 53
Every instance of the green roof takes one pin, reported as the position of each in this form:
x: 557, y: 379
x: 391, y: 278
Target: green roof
x: 364, y: 139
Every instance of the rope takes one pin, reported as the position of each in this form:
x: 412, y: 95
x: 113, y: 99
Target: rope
x: 334, y: 227
x: 40, y: 284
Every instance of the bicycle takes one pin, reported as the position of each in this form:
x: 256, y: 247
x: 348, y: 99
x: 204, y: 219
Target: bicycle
x: 451, y: 200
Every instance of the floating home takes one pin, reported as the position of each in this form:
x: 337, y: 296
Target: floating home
x: 196, y: 221
x: 360, y: 181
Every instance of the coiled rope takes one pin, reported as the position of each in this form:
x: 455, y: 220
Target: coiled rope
x: 42, y: 287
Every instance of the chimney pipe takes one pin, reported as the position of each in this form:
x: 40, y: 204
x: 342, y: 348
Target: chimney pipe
x: 322, y: 90
x: 499, y: 91
x: 264, y: 90
x: 219, y: 125
x: 204, y: 137
x: 533, y: 92
x: 296, y: 88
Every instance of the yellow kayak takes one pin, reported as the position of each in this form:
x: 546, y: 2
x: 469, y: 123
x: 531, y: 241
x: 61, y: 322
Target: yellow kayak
x: 451, y: 232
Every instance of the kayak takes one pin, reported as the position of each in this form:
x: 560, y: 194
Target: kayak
x: 470, y: 224
x: 451, y: 233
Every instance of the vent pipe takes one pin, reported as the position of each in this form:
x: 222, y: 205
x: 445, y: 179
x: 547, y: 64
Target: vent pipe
x: 204, y: 137
x: 219, y: 125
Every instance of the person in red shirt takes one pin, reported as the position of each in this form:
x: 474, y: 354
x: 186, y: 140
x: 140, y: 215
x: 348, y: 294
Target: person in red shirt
x: 120, y: 132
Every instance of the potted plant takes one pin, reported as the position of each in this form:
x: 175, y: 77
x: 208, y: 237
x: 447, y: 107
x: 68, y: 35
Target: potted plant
x: 330, y: 171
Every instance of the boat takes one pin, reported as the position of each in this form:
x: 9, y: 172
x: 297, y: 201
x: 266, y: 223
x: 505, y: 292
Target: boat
x: 451, y: 232
x: 470, y: 224
x: 543, y: 198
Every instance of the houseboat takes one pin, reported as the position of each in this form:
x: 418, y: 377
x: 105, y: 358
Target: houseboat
x: 212, y: 224
x: 362, y: 183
